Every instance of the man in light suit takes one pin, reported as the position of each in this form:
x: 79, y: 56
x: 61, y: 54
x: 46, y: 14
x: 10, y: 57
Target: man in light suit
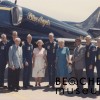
x: 79, y: 62
x: 15, y: 64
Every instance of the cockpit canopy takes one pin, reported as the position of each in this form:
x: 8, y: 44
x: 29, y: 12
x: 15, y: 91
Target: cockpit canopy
x: 17, y: 15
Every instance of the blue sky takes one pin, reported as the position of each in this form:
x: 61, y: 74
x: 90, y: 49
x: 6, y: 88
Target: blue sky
x: 69, y: 10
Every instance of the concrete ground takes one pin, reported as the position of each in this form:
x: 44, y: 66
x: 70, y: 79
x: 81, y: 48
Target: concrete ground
x: 44, y: 93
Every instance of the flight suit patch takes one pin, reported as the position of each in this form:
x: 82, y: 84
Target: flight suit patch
x: 99, y: 57
x: 53, y: 50
x: 29, y: 48
x: 2, y: 47
x: 48, y: 47
x: 88, y: 54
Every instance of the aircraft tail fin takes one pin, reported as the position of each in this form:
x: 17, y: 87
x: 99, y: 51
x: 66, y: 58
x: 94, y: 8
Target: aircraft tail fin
x: 93, y: 21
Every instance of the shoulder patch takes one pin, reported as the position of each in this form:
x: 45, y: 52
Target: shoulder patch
x: 94, y: 49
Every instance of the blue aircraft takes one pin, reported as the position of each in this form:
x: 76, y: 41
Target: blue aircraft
x: 25, y: 21
x: 91, y: 24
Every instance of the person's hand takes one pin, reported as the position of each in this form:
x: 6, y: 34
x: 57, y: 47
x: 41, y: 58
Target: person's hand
x: 91, y: 67
x: 45, y: 67
x: 26, y: 63
x: 75, y: 59
x: 70, y: 62
x: 22, y: 66
x: 33, y: 65
x: 13, y: 68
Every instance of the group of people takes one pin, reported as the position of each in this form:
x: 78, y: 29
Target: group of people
x: 52, y: 55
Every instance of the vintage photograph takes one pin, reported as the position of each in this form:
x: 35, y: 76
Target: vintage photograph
x: 49, y: 49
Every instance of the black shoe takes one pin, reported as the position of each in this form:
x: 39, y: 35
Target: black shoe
x: 48, y: 86
x: 10, y: 89
x: 30, y: 86
x: 16, y: 90
x: 19, y: 88
x: 5, y: 87
x: 1, y: 86
x: 53, y: 87
x: 25, y: 87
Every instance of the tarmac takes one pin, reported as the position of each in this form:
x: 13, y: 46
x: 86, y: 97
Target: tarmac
x: 44, y: 93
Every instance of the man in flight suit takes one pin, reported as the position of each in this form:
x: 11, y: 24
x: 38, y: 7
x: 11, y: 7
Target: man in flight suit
x: 51, y: 47
x: 90, y: 62
x: 98, y: 61
x: 27, y: 60
x: 3, y: 58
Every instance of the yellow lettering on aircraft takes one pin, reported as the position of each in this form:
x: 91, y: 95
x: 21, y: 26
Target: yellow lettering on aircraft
x: 39, y: 20
x: 5, y: 8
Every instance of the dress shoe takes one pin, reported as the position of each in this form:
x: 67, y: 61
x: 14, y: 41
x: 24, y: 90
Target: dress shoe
x: 25, y: 87
x: 30, y: 86
x: 16, y: 90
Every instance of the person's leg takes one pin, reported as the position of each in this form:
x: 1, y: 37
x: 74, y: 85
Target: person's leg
x: 17, y: 78
x: 98, y: 75
x: 2, y: 71
x: 50, y: 74
x: 29, y: 74
x: 61, y: 81
x: 90, y: 77
x: 25, y: 76
x: 10, y: 79
x: 53, y: 76
x: 36, y: 81
x: 14, y: 79
x: 79, y: 75
x: 39, y: 81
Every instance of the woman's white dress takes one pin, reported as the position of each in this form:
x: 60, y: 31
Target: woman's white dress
x: 39, y: 63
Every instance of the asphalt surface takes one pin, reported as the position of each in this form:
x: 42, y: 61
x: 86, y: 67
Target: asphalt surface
x: 44, y: 93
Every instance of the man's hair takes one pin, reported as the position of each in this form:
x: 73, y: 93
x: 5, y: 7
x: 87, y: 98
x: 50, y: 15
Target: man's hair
x: 29, y: 35
x: 51, y: 34
x: 3, y: 35
x: 79, y: 39
x: 13, y: 32
x: 88, y: 36
x: 17, y: 39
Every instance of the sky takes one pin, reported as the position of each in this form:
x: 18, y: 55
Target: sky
x: 64, y: 10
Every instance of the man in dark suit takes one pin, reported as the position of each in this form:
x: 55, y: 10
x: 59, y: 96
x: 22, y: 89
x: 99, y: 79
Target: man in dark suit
x: 79, y: 62
x: 3, y: 58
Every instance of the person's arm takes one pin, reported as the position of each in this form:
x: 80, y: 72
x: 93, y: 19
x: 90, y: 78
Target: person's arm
x: 68, y: 56
x: 0, y: 47
x: 22, y: 58
x: 45, y: 58
x: 33, y: 58
x: 10, y: 54
x: 24, y: 53
x: 92, y: 57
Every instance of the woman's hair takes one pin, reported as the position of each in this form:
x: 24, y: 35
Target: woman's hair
x: 61, y: 40
x: 40, y: 41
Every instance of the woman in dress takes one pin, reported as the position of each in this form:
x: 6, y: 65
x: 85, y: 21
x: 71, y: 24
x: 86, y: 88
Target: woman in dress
x: 62, y: 60
x: 39, y: 63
